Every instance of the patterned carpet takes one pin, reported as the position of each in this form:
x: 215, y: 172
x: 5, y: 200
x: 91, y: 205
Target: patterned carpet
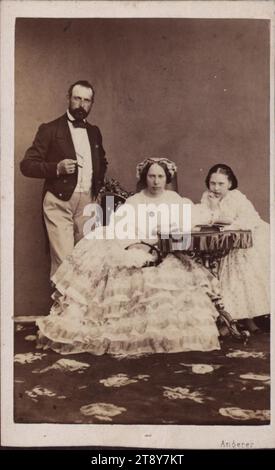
x: 226, y: 387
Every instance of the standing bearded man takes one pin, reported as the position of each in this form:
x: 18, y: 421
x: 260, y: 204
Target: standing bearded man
x: 69, y: 155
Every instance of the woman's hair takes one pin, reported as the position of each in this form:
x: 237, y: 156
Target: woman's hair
x: 225, y: 170
x: 143, y: 167
x: 144, y: 172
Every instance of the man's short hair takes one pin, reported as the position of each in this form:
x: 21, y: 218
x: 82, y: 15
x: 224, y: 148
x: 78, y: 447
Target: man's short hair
x: 84, y: 83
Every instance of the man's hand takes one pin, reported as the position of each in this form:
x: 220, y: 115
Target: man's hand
x: 66, y: 167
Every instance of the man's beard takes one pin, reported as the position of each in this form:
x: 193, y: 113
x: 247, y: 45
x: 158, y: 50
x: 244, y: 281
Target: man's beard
x: 79, y: 114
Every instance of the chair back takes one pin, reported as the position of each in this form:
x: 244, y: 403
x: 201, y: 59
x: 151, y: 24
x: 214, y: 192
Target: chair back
x: 111, y: 196
x: 109, y: 204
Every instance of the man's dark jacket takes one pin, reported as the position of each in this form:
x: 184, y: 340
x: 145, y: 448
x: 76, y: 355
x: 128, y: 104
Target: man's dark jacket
x: 53, y: 143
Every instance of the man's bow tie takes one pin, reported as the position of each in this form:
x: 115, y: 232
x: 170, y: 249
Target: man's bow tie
x: 76, y: 123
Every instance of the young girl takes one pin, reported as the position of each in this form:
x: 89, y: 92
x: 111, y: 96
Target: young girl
x: 245, y: 272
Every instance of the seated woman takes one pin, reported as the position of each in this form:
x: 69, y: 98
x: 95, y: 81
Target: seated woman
x: 245, y: 284
x: 106, y: 301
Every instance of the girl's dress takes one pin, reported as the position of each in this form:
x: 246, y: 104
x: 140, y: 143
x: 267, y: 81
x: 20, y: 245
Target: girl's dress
x: 107, y: 302
x: 244, y: 278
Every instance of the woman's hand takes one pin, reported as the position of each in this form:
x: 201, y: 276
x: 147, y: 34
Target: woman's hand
x: 174, y: 228
x: 165, y: 228
x: 214, y: 201
x: 223, y: 220
x: 233, y: 226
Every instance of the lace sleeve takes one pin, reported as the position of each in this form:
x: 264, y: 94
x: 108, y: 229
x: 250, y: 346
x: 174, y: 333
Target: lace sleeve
x: 246, y: 216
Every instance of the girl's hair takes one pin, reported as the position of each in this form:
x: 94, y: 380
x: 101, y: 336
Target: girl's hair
x: 225, y: 170
x: 144, y: 172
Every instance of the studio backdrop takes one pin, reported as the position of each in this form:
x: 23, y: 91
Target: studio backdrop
x: 193, y: 90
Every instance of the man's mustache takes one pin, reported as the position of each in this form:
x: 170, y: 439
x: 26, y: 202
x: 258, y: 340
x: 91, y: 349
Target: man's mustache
x: 80, y: 111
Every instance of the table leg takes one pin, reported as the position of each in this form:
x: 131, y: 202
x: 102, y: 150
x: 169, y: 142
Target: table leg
x: 212, y: 268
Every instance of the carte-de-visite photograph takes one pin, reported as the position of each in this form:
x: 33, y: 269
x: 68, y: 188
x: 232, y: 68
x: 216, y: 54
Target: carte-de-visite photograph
x: 116, y: 113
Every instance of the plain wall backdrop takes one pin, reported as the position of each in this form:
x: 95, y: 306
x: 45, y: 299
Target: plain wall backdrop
x: 194, y: 90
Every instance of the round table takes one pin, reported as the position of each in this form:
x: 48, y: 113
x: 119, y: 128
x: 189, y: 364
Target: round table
x: 209, y: 248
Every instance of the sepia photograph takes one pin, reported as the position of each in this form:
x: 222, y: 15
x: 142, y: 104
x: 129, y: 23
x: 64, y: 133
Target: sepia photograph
x: 137, y: 186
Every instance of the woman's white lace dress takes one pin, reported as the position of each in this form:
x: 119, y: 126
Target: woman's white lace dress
x: 106, y: 302
x: 245, y: 279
